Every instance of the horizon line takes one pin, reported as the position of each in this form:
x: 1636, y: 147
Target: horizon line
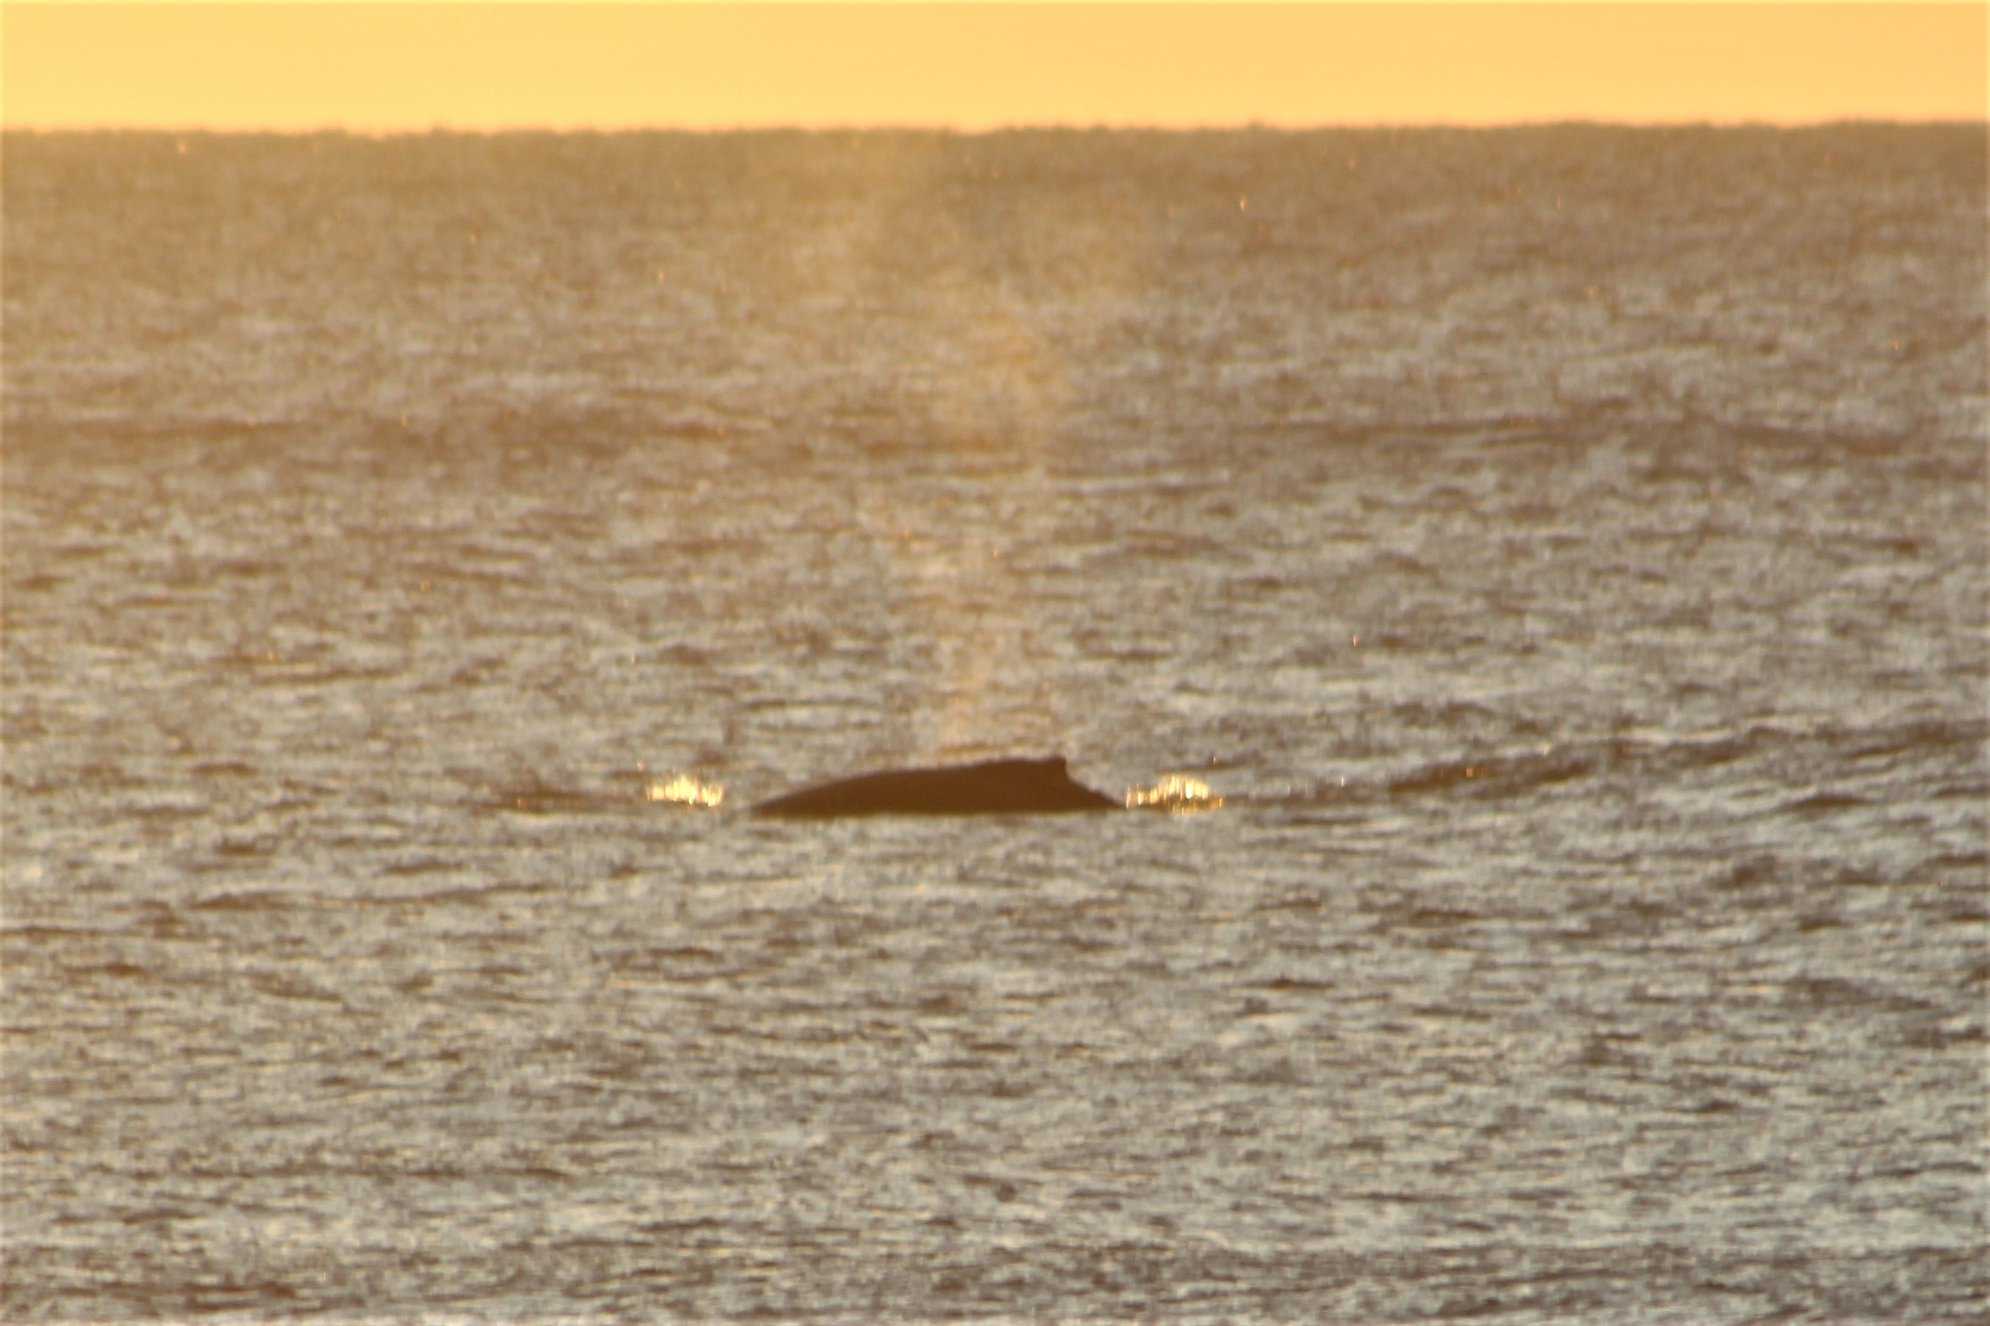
x: 984, y: 130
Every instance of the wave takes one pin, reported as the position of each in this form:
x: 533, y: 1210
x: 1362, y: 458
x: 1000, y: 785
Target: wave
x: 1809, y: 760
x: 1815, y: 763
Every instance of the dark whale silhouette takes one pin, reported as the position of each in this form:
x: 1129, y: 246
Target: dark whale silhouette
x: 993, y: 787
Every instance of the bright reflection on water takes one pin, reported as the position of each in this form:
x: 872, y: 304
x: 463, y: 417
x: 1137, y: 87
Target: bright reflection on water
x: 1180, y: 794
x: 685, y: 790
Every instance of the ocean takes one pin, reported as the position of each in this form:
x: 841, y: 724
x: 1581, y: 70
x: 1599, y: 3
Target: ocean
x: 1562, y: 551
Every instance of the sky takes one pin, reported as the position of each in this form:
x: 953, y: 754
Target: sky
x: 383, y: 68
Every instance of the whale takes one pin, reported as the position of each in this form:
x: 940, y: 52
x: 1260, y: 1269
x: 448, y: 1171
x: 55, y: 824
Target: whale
x: 991, y: 787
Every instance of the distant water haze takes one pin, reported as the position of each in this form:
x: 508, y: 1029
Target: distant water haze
x: 1561, y: 550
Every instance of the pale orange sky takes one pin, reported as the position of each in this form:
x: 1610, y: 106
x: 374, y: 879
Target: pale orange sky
x: 375, y: 68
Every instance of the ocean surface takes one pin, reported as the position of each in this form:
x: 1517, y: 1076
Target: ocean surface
x: 1562, y: 550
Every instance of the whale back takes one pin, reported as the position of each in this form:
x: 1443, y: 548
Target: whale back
x: 992, y: 787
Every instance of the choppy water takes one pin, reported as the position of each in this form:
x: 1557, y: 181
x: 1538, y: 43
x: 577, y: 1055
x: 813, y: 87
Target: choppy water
x: 1565, y: 549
